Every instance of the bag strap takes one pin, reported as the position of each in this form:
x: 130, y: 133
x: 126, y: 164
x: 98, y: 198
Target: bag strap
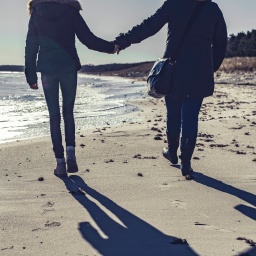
x: 187, y: 28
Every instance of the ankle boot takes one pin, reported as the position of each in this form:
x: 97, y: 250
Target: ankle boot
x: 170, y: 153
x: 187, y: 148
x: 71, y: 159
x: 60, y: 169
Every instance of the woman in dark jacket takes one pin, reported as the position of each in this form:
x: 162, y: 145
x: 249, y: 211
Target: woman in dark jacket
x: 202, y: 52
x: 51, y: 35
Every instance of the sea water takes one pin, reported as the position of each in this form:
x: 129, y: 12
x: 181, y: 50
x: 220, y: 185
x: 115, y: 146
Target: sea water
x: 101, y: 101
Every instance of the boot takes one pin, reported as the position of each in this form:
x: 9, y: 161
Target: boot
x: 71, y: 159
x: 60, y: 169
x: 170, y: 153
x: 187, y: 148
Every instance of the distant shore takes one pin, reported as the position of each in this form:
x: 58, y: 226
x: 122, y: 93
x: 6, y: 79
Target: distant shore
x: 141, y: 69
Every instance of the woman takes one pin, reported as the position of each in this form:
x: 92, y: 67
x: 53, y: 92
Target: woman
x: 51, y: 35
x: 202, y: 52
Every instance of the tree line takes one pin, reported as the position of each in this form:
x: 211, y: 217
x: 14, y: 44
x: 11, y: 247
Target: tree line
x: 242, y: 45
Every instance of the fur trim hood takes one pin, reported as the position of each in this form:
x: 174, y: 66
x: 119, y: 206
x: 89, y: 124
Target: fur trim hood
x: 73, y: 3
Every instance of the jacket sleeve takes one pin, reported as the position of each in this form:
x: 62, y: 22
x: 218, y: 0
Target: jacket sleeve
x: 31, y: 51
x: 219, y: 45
x: 87, y: 38
x: 147, y: 28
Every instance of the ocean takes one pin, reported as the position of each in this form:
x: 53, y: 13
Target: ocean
x: 101, y: 101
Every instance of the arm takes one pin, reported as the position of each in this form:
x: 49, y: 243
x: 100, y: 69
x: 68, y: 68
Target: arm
x: 31, y: 51
x: 147, y: 28
x: 87, y: 38
x: 219, y: 46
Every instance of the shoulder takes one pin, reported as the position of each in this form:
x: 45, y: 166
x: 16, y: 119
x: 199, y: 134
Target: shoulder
x: 215, y: 8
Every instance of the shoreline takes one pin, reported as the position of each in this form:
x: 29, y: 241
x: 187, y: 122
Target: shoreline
x: 127, y: 192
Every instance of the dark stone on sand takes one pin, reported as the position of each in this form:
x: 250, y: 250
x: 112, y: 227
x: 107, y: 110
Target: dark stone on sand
x: 218, y: 145
x: 140, y: 174
x: 157, y: 138
x: 240, y: 152
x: 109, y: 161
x: 196, y: 158
x: 82, y: 145
x: 41, y: 179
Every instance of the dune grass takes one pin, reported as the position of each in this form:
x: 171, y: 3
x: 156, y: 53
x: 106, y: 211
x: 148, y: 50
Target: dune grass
x: 246, y: 64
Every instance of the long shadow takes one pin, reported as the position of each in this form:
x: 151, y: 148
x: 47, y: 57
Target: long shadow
x: 246, y: 210
x: 251, y: 252
x: 134, y: 238
x: 221, y: 186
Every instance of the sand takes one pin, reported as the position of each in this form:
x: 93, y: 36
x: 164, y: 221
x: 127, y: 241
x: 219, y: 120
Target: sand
x: 126, y: 199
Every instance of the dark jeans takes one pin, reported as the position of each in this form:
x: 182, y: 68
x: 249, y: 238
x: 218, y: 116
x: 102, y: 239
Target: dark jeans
x: 183, y: 115
x: 68, y: 84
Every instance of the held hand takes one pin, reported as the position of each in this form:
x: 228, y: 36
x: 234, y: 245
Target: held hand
x: 34, y: 86
x: 117, y: 49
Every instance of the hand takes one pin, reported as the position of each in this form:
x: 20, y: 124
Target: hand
x: 34, y: 86
x: 117, y: 49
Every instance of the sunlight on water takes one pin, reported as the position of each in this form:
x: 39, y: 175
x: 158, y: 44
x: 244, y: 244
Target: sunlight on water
x: 100, y: 101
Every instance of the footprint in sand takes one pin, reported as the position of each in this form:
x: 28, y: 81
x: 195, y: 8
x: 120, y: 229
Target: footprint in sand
x: 179, y: 204
x: 49, y: 204
x: 206, y: 226
x: 48, y: 208
x: 52, y: 224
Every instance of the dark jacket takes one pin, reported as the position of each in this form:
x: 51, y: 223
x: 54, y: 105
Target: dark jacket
x: 203, y: 48
x: 51, y: 33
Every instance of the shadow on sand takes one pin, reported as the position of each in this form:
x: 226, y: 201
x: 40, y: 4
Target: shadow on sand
x: 135, y: 238
x: 228, y: 189
x: 221, y: 186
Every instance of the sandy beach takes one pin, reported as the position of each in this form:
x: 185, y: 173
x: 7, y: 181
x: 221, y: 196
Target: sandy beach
x: 126, y: 199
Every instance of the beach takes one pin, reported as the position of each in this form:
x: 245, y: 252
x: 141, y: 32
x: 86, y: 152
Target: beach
x: 126, y: 199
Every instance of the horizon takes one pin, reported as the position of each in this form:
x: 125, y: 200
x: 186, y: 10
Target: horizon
x: 115, y: 15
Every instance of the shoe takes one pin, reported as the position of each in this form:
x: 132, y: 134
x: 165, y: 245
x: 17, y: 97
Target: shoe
x: 60, y: 169
x: 187, y: 148
x: 170, y: 153
x: 71, y: 160
x: 72, y: 166
x: 171, y: 156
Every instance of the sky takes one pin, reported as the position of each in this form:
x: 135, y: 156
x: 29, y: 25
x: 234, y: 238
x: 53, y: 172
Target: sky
x: 106, y: 19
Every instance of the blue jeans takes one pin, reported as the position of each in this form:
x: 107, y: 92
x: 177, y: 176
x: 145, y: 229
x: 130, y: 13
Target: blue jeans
x: 182, y: 115
x: 67, y: 82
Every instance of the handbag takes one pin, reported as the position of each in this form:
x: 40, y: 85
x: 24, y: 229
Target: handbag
x: 160, y: 76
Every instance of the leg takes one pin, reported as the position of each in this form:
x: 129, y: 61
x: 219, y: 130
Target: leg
x: 173, y: 107
x: 190, y: 112
x: 68, y: 82
x: 51, y: 91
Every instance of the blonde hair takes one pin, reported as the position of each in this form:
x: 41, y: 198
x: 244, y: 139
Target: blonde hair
x: 73, y: 3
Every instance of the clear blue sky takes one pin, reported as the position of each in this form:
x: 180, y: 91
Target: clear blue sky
x: 106, y: 19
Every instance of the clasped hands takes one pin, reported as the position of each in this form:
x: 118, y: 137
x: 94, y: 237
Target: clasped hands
x: 117, y: 49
